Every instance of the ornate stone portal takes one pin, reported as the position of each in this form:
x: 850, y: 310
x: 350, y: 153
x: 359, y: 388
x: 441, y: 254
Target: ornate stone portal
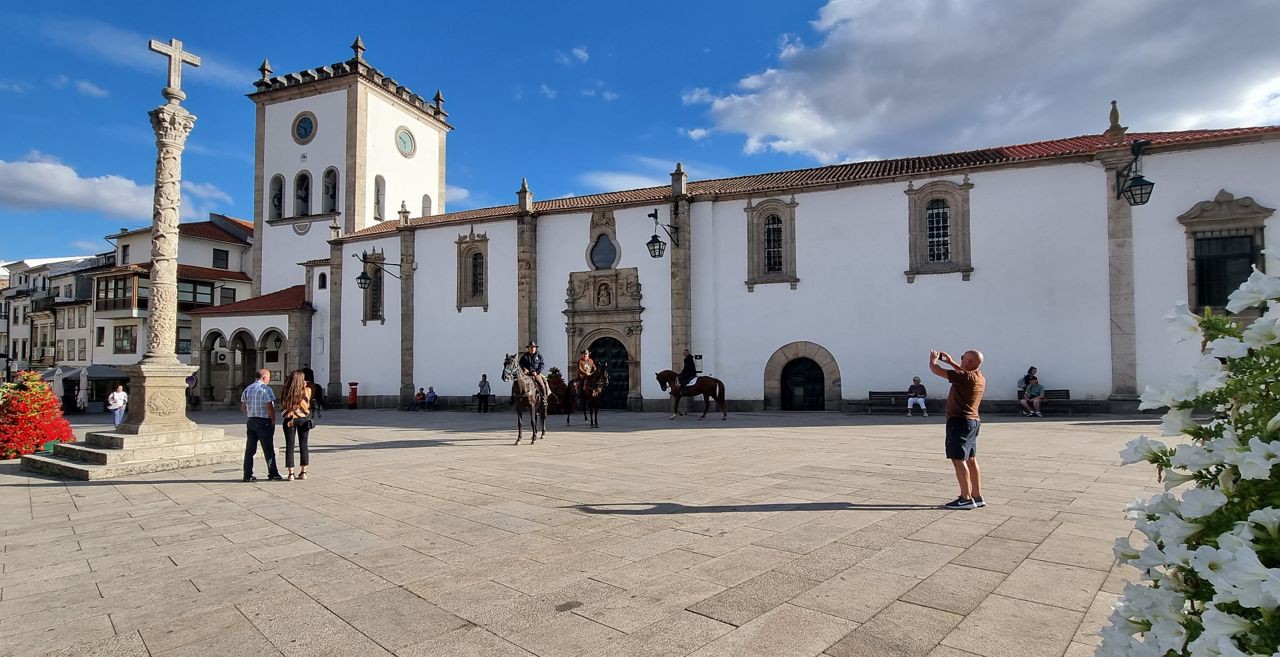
x: 157, y: 434
x: 606, y: 303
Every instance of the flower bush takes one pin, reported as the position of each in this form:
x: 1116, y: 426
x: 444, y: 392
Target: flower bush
x: 30, y: 416
x: 1210, y: 564
x: 559, y: 402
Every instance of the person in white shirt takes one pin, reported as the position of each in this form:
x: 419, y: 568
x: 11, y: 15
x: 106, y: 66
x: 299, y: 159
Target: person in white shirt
x: 116, y: 403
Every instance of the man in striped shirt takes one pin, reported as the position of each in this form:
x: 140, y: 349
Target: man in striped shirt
x: 258, y: 402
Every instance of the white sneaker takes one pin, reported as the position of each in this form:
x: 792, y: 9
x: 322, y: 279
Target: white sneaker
x: 926, y: 413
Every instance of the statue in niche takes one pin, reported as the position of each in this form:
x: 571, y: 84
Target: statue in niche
x: 604, y: 295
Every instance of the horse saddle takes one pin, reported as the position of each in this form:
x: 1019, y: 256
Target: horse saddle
x: 688, y: 387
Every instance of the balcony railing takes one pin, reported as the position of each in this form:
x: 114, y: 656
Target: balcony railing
x: 125, y: 303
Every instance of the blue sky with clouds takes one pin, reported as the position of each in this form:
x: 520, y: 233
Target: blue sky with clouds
x: 582, y: 97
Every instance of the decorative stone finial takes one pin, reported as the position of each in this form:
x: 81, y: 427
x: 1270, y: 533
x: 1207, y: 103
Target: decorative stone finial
x: 357, y: 47
x: 524, y: 197
x: 439, y: 99
x: 177, y: 57
x: 679, y: 181
x: 265, y: 69
x: 1115, y: 131
x: 404, y: 214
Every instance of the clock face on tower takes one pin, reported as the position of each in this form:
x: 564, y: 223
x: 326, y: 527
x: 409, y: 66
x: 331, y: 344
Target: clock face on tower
x: 304, y: 127
x: 405, y: 143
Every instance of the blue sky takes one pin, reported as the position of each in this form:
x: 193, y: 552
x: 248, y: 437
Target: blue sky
x: 582, y: 97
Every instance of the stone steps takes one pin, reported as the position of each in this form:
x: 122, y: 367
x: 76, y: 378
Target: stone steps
x: 136, y: 454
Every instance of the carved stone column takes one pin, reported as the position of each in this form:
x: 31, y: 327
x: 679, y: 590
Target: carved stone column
x: 681, y: 269
x: 1124, y: 344
x: 527, y: 278
x: 157, y: 400
x: 407, y: 249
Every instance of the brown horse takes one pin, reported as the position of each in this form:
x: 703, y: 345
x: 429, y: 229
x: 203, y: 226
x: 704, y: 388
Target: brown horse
x: 706, y: 386
x: 525, y: 393
x: 592, y: 388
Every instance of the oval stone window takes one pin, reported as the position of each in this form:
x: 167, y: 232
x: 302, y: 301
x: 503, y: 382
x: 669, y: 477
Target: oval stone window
x: 604, y: 253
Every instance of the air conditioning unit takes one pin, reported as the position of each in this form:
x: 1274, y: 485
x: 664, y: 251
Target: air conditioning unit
x: 221, y: 356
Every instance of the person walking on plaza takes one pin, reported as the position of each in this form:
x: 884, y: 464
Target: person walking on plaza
x: 963, y: 422
x: 258, y: 403
x: 916, y: 395
x: 295, y: 406
x: 117, y: 402
x: 482, y: 397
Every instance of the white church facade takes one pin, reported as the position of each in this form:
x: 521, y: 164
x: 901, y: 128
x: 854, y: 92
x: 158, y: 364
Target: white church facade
x: 799, y: 289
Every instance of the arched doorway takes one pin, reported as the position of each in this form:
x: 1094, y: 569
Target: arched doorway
x: 786, y: 354
x: 613, y: 354
x: 215, y: 372
x: 803, y: 386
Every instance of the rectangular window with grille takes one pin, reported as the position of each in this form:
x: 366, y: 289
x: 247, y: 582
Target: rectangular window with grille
x: 938, y: 231
x: 84, y: 349
x: 227, y: 295
x: 125, y: 340
x: 1222, y: 264
x: 477, y: 275
x: 773, y: 244
x: 221, y: 258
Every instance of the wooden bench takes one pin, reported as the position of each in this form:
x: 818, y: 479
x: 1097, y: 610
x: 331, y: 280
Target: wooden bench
x: 882, y: 400
x: 1061, y: 398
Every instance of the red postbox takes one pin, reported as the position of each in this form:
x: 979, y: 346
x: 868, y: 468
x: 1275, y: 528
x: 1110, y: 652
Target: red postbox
x: 351, y: 394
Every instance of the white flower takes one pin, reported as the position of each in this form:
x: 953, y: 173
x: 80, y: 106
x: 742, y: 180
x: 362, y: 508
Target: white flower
x: 1208, y: 562
x: 1140, y: 449
x: 1273, y: 425
x: 1151, y: 557
x: 1209, y: 374
x: 1124, y: 550
x: 1268, y: 519
x: 1241, y: 535
x: 1227, y: 648
x: 1200, y: 502
x: 1263, y: 332
x: 1153, y: 399
x: 1177, y: 421
x: 1260, y: 287
x: 1221, y: 624
x: 1159, y: 504
x: 1256, y: 463
x: 1193, y: 457
x: 1174, y: 530
x: 1227, y: 347
x: 1182, y: 323
x: 1167, y: 635
x: 1173, y: 479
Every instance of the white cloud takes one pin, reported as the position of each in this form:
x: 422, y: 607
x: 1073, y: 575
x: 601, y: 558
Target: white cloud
x: 695, y: 134
x: 644, y: 171
x: 90, y: 89
x: 455, y: 194
x: 59, y: 81
x: 41, y: 182
x: 608, y: 96
x: 698, y: 96
x: 881, y: 81
x: 547, y: 91
x: 575, y: 55
x: 13, y: 87
x: 580, y: 53
x: 127, y: 48
x: 86, y: 246
x: 206, y: 191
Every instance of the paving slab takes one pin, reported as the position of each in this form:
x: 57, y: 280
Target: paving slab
x: 1005, y: 627
x: 787, y: 631
x: 901, y: 630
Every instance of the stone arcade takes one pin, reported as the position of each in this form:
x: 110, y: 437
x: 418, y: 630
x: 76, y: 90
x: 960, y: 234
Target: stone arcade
x: 799, y: 289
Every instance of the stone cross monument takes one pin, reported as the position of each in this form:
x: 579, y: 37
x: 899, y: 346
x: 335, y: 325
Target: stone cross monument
x: 158, y: 384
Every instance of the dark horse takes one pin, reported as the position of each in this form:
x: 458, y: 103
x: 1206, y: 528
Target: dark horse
x: 525, y: 393
x: 706, y: 386
x: 317, y: 399
x: 588, y: 392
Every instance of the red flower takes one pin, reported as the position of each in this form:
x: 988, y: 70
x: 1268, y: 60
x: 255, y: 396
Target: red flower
x: 30, y: 416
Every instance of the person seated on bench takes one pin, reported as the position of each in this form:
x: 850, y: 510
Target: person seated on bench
x: 915, y: 396
x: 419, y: 401
x: 1033, y: 397
x: 430, y: 399
x: 1023, y: 381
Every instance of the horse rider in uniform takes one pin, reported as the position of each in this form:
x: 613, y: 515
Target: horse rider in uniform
x: 531, y: 363
x: 689, y: 371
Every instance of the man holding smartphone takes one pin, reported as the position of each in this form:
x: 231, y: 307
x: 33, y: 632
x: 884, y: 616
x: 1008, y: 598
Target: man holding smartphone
x: 963, y: 422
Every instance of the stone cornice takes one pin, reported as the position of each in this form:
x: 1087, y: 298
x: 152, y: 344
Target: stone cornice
x: 315, y: 80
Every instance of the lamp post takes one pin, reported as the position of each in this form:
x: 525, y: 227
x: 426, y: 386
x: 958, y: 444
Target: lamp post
x: 655, y: 244
x: 1130, y: 185
x: 364, y: 280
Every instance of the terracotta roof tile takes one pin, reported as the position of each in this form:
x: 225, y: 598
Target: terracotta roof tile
x: 849, y: 173
x: 315, y: 263
x: 290, y: 298
x: 184, y: 271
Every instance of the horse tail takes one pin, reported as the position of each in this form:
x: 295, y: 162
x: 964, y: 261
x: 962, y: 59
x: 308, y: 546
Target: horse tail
x: 720, y: 391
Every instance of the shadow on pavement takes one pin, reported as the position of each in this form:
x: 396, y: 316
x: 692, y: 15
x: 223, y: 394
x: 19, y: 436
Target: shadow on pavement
x: 672, y: 508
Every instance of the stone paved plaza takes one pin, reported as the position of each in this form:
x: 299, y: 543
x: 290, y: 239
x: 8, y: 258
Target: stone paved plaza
x: 429, y: 534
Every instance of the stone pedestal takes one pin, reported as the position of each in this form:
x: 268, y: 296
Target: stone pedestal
x: 157, y: 398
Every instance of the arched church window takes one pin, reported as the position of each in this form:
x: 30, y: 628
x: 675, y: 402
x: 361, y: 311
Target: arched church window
x: 276, y: 197
x: 329, y: 202
x: 938, y: 228
x: 477, y: 275
x: 322, y: 281
x: 773, y: 244
x: 379, y: 198
x: 937, y: 220
x: 604, y: 253
x: 302, y: 195
x: 426, y: 205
